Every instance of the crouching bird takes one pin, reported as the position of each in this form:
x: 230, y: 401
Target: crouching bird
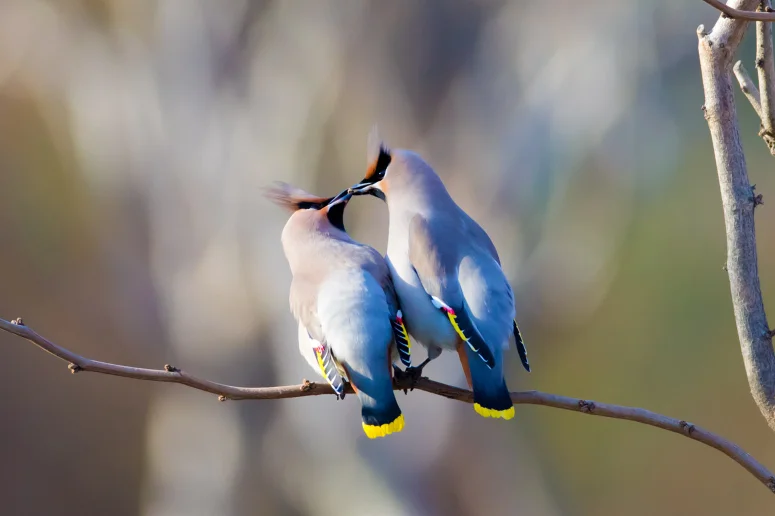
x: 446, y: 272
x: 350, y: 327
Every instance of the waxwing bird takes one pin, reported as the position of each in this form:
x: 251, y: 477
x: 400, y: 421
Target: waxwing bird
x: 350, y: 327
x: 446, y: 272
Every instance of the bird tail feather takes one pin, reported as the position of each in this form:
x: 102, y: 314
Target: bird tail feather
x: 380, y: 419
x: 491, y: 396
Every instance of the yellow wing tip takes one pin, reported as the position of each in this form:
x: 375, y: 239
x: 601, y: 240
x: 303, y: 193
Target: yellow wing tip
x: 486, y: 412
x: 374, y: 431
x: 321, y: 364
x: 453, y: 320
x: 406, y: 336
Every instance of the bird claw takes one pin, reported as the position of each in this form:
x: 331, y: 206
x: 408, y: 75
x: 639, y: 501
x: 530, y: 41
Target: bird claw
x: 340, y: 397
x: 414, y: 373
x: 398, y: 376
x: 411, y: 375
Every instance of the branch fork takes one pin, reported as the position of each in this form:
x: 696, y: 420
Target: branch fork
x: 762, y: 99
x: 731, y: 13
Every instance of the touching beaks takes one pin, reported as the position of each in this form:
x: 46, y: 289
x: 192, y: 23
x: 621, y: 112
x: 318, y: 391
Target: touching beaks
x: 368, y: 188
x: 361, y: 188
x: 341, y: 197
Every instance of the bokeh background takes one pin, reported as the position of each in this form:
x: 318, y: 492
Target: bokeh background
x: 135, y: 137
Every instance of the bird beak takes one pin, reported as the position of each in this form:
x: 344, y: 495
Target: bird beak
x: 367, y: 188
x: 362, y: 188
x: 342, y: 197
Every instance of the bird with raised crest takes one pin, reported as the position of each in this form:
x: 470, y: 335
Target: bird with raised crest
x: 447, y: 274
x: 350, y: 326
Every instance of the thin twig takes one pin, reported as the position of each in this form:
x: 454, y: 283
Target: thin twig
x: 740, y: 14
x: 765, y: 66
x: 717, y: 51
x: 174, y: 375
x: 750, y: 90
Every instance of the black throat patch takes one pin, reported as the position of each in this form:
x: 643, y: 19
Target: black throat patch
x: 336, y: 215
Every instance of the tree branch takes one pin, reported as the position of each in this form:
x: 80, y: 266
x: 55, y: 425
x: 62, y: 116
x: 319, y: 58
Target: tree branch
x: 174, y: 375
x: 748, y: 87
x: 763, y: 104
x: 765, y: 66
x: 741, y: 14
x: 716, y: 51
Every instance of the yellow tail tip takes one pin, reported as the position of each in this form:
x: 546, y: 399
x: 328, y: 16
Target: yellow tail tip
x: 374, y: 431
x: 486, y: 412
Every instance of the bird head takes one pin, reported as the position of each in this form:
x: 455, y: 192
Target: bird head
x: 297, y: 200
x: 375, y: 181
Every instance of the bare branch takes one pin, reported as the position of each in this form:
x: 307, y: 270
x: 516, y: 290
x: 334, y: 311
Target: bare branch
x: 716, y: 51
x: 750, y: 90
x: 764, y: 103
x: 741, y: 14
x: 169, y: 374
x: 174, y: 375
x: 765, y: 66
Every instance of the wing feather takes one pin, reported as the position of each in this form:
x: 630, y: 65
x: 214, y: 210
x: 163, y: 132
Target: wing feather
x: 437, y: 270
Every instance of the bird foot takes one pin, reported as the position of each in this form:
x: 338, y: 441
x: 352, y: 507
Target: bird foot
x: 346, y: 386
x: 410, y: 376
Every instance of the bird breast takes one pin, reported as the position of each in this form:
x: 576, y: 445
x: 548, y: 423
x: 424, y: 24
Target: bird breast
x: 423, y: 321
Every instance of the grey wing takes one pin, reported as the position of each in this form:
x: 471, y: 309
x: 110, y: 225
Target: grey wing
x: 481, y: 239
x: 303, y: 300
x: 400, y: 334
x: 378, y: 268
x: 435, y: 256
x: 381, y: 272
x: 478, y: 236
x: 434, y: 260
x: 313, y: 345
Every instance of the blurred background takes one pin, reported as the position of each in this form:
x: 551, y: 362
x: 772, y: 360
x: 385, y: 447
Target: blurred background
x: 135, y: 137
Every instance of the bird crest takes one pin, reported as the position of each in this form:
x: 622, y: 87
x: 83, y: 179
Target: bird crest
x: 293, y: 198
x: 377, y: 155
